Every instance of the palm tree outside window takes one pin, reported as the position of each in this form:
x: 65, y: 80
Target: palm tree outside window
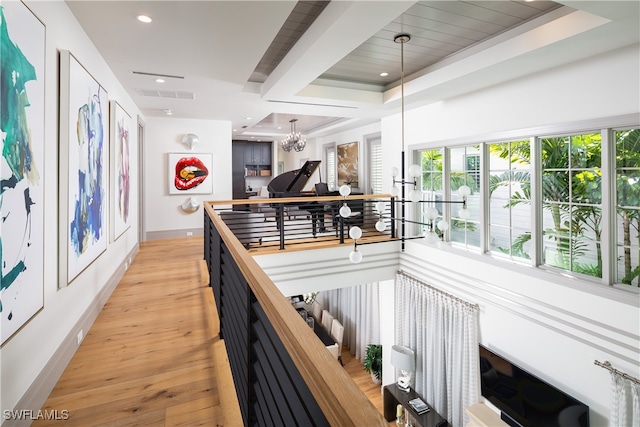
x: 510, y: 199
x: 628, y: 206
x: 462, y: 171
x: 572, y: 203
x: 569, y: 175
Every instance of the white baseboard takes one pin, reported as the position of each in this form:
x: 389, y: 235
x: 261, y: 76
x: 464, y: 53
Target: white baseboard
x: 37, y: 394
x: 174, y: 234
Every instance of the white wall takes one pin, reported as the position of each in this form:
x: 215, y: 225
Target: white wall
x: 360, y: 135
x: 25, y: 356
x: 294, y: 159
x: 313, y: 151
x: 163, y: 214
x: 595, y: 88
x: 550, y: 325
x: 319, y: 270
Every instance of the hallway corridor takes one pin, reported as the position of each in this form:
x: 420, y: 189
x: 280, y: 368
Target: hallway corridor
x: 153, y: 356
x: 148, y: 360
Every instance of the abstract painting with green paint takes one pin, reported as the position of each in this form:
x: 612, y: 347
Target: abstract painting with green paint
x: 22, y: 53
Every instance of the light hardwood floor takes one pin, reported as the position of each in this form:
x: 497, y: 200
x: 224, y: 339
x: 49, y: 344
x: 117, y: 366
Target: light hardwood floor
x: 153, y: 357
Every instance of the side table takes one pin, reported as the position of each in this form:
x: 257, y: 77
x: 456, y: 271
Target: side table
x: 392, y: 396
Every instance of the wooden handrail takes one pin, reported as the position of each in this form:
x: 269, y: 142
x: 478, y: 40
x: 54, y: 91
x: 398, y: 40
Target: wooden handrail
x: 340, y: 399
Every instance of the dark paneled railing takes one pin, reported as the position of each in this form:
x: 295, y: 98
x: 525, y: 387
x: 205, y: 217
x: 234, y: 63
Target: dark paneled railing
x: 282, y: 372
x: 286, y: 222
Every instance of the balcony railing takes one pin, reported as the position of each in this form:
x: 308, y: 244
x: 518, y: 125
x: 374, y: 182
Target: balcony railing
x: 280, y: 223
x: 283, y: 373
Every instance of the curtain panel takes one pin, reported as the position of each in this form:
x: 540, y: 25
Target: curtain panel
x: 357, y: 308
x: 442, y: 330
x: 625, y: 401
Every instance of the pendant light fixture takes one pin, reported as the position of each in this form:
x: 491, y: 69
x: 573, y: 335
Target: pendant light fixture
x: 294, y: 140
x: 415, y: 195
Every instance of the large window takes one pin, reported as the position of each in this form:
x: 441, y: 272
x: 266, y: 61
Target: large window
x: 464, y: 169
x: 510, y: 199
x: 330, y: 156
x: 572, y: 203
x: 628, y: 206
x: 431, y: 182
x: 375, y: 165
x: 550, y: 215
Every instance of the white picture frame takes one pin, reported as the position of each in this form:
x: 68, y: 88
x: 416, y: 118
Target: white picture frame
x: 197, y: 170
x: 84, y: 167
x: 22, y: 197
x: 120, y: 171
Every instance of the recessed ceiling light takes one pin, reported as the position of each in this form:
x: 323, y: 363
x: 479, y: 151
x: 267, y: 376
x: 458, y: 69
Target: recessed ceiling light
x: 248, y: 118
x: 384, y: 74
x: 144, y: 18
x: 159, y: 80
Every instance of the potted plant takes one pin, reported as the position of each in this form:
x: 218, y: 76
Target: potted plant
x: 373, y: 362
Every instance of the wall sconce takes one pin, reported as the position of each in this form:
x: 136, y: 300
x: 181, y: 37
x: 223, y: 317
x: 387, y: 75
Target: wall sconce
x: 190, y: 205
x: 190, y: 140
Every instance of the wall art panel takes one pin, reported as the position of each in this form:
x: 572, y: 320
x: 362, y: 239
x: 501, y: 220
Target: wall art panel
x: 190, y: 173
x: 84, y: 137
x: 22, y: 88
x: 120, y: 170
x: 348, y: 164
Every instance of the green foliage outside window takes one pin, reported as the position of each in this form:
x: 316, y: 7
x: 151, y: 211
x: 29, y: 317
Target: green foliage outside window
x: 572, y: 199
x: 628, y: 205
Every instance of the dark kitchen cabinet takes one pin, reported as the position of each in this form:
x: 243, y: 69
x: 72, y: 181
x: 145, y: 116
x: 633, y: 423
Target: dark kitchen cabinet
x: 249, y: 159
x: 257, y: 158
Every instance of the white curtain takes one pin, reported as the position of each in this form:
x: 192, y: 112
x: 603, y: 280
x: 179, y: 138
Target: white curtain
x: 625, y: 402
x: 443, y: 332
x: 357, y: 308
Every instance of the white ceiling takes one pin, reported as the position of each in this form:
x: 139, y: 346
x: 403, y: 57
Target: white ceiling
x: 329, y: 80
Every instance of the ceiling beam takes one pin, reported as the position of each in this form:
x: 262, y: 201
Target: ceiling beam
x: 536, y: 36
x: 342, y: 27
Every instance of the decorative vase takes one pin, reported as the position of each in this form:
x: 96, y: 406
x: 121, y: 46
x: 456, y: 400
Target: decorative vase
x: 376, y: 381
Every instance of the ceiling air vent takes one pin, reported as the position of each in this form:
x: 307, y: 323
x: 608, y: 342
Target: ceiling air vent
x: 169, y: 76
x: 166, y: 94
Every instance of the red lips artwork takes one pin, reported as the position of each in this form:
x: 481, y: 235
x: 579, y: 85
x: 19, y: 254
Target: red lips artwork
x: 190, y: 172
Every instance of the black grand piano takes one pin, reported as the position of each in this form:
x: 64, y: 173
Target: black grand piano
x: 291, y: 184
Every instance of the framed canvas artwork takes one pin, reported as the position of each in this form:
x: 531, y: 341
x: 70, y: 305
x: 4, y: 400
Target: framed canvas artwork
x: 190, y: 173
x: 22, y: 90
x: 84, y: 137
x: 120, y: 170
x: 348, y: 164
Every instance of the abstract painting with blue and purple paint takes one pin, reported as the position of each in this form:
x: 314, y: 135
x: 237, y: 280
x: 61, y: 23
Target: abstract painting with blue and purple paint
x: 22, y: 44
x: 87, y: 179
x: 86, y: 226
x: 121, y: 191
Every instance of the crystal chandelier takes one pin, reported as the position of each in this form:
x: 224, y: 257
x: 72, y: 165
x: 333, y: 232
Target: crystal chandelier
x: 294, y: 139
